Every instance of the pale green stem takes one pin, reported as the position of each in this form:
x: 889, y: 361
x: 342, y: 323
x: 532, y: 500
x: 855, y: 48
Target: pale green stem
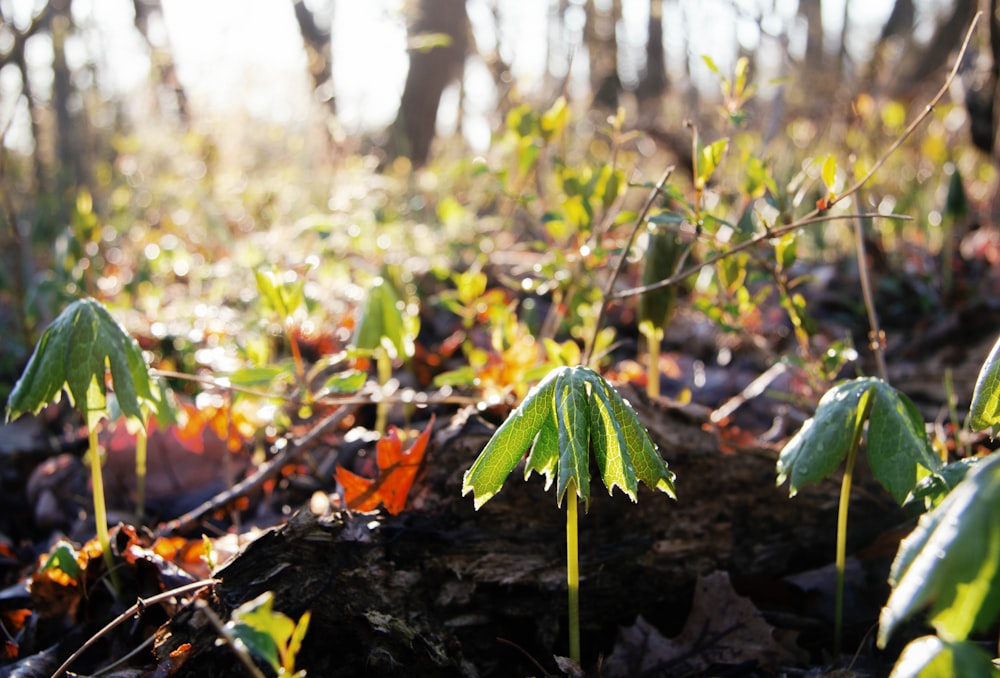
x: 384, y: 365
x: 573, y: 571
x: 845, y: 498
x: 95, y: 411
x: 653, y: 338
x: 140, y: 474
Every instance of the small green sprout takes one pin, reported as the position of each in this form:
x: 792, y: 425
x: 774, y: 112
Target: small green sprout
x: 386, y: 332
x: 75, y: 354
x: 572, y: 411
x: 897, y: 445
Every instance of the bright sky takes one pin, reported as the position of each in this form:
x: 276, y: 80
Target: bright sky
x: 247, y: 54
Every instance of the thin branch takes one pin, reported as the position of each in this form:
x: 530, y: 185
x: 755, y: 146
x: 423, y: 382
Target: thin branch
x: 815, y: 215
x: 139, y: 607
x: 747, y: 244
x: 654, y: 193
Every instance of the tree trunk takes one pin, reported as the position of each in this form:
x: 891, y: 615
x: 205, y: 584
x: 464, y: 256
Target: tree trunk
x: 653, y: 84
x: 812, y: 12
x: 161, y: 57
x: 601, y: 39
x: 317, y: 42
x: 442, y: 26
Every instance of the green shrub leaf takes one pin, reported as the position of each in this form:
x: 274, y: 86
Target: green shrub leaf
x: 571, y: 411
x: 76, y: 351
x: 382, y: 324
x: 931, y: 657
x: 951, y: 561
x: 985, y: 411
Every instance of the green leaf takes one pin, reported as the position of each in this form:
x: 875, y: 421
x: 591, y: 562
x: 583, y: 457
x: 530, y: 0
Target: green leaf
x: 571, y: 410
x: 897, y: 442
x: 349, y: 381
x: 281, y: 291
x: 663, y: 252
x: 711, y: 64
x: 956, y: 205
x: 510, y: 441
x: 931, y: 657
x: 63, y: 558
x: 823, y: 441
x: 262, y: 629
x: 951, y: 561
x: 709, y: 158
x: 78, y: 349
x: 830, y: 172
x: 382, y: 322
x: 933, y: 488
x: 985, y: 410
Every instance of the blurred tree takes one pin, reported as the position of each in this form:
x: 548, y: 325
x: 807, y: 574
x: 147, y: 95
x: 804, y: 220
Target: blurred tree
x: 438, y: 43
x: 811, y: 12
x: 314, y: 26
x: 160, y: 55
x: 653, y: 84
x: 600, y: 36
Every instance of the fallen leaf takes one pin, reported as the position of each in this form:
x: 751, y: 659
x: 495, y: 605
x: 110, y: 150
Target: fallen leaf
x: 723, y: 628
x: 396, y: 471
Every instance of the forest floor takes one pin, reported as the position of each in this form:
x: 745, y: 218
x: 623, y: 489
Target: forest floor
x: 734, y: 578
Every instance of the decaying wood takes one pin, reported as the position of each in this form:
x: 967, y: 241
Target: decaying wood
x: 429, y: 591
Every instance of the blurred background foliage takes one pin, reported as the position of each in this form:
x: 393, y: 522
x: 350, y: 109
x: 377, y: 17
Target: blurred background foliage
x: 151, y: 159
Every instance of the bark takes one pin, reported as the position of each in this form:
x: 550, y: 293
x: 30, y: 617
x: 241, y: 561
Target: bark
x: 317, y: 42
x: 432, y: 69
x: 161, y: 57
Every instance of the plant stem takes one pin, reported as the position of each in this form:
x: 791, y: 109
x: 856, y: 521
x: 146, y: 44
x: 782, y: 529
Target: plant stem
x: 384, y: 366
x: 573, y: 571
x: 140, y: 474
x: 845, y: 498
x: 97, y: 479
x: 876, y: 335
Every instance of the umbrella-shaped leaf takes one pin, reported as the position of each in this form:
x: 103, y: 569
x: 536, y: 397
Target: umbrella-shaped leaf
x: 823, y: 441
x: 573, y: 414
x: 931, y: 657
x: 382, y: 322
x: 951, y: 561
x: 897, y: 442
x: 76, y: 351
x: 985, y: 412
x: 648, y: 465
x: 610, y: 445
x: 570, y: 411
x: 511, y: 440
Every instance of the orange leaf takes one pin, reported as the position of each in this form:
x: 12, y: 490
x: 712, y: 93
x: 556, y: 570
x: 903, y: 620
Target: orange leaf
x: 397, y: 471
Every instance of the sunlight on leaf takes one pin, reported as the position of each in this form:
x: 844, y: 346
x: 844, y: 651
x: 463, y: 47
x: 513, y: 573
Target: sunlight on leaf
x: 931, y: 657
x: 270, y: 635
x: 897, y: 442
x: 571, y: 411
x: 985, y: 411
x: 951, y: 561
x: 80, y: 346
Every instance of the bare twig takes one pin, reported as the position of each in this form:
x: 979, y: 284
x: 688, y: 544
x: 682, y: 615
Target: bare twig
x: 654, y: 193
x: 289, y: 452
x: 139, y: 607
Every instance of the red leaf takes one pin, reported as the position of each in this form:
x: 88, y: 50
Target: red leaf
x: 397, y: 470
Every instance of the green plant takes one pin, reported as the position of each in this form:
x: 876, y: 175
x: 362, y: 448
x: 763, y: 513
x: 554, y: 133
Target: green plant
x: 951, y: 561
x: 75, y: 354
x: 270, y: 635
x: 571, y: 411
x: 896, y: 445
x: 385, y: 331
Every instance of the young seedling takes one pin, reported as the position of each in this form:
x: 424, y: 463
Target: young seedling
x: 664, y: 255
x: 571, y: 411
x: 897, y: 445
x: 385, y: 333
x: 282, y: 292
x: 75, y: 354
